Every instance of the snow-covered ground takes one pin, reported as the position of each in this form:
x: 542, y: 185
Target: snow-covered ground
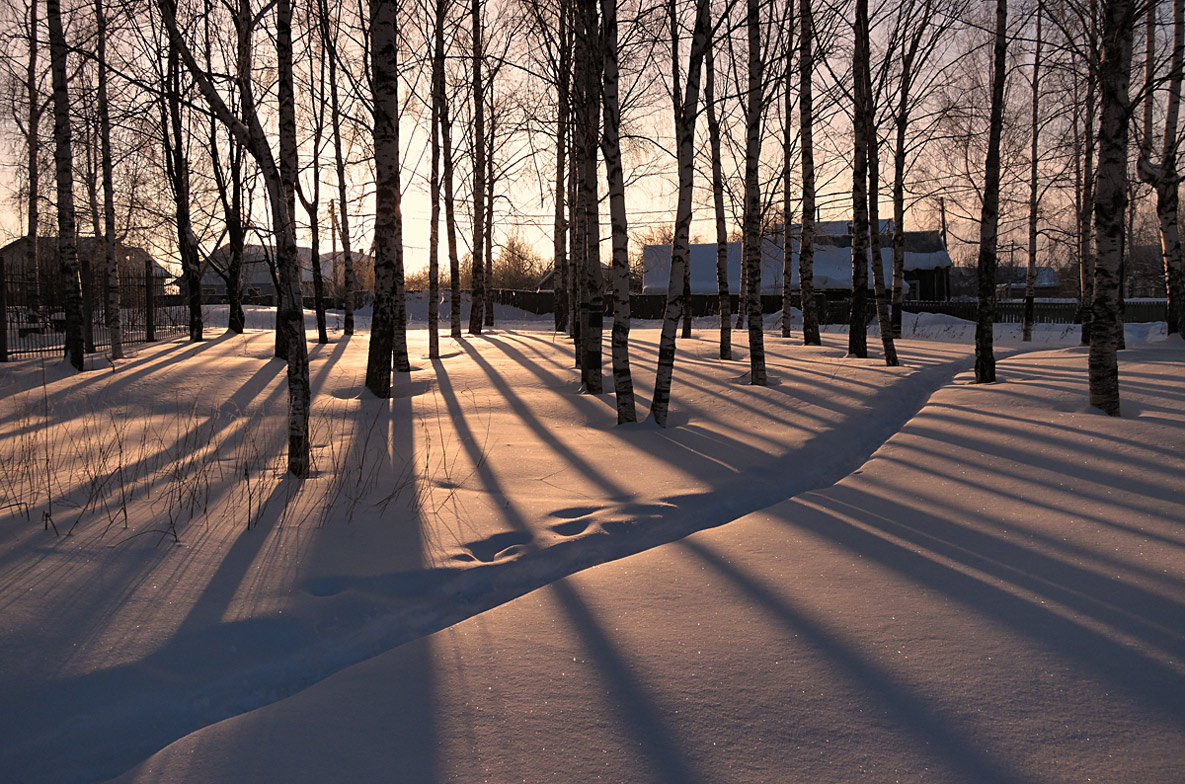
x: 856, y: 571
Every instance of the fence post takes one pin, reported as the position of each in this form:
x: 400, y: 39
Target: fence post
x: 149, y: 302
x: 3, y: 311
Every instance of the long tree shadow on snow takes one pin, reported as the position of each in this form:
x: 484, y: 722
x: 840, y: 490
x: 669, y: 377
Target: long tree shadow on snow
x: 213, y: 668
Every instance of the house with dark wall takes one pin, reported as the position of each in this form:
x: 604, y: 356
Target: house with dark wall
x: 133, y: 264
x: 258, y: 265
x: 927, y: 263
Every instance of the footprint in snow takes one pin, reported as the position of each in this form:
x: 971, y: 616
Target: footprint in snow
x: 501, y: 545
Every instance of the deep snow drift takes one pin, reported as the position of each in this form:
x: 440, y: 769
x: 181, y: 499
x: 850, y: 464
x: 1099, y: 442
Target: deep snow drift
x: 919, y: 579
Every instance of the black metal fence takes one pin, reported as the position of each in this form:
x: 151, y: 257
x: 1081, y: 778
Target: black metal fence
x: 34, y: 319
x: 1013, y: 311
x: 836, y: 310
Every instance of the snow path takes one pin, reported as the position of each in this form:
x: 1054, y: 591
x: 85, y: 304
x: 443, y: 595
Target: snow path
x: 997, y: 596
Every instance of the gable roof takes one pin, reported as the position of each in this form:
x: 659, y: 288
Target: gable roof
x: 832, y: 263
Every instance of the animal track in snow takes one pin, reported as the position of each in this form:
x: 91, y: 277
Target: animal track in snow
x: 497, y: 546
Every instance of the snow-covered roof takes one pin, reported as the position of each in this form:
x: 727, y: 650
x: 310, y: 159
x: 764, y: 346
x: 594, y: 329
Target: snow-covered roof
x: 832, y: 263
x: 256, y: 260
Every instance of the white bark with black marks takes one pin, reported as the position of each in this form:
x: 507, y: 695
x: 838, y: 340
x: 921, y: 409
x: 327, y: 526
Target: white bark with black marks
x: 685, y: 111
x: 806, y: 124
x: 788, y: 176
x: 1031, y: 270
x: 388, y: 241
x: 857, y: 325
x: 250, y: 133
x: 985, y: 358
x: 33, y: 96
x: 114, y: 328
x: 560, y: 278
x: 349, y: 281
x: 753, y: 240
x: 1164, y: 177
x: 1110, y: 201
x: 723, y: 294
x: 477, y: 269
x: 64, y: 170
x: 623, y: 385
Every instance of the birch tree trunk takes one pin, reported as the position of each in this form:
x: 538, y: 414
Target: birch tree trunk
x: 576, y: 217
x: 985, y: 359
x: 685, y: 111
x: 901, y: 126
x: 250, y: 133
x: 177, y: 170
x: 1031, y: 271
x: 1165, y: 177
x: 114, y: 330
x: 883, y: 315
x: 718, y: 204
x: 1086, y: 214
x: 477, y: 309
x: 434, y: 182
x: 806, y: 123
x: 350, y: 282
x: 587, y: 133
x: 787, y: 179
x: 229, y: 183
x: 623, y: 385
x: 64, y: 169
x: 559, y: 237
x: 488, y: 220
x: 388, y: 219
x: 312, y: 204
x: 385, y: 87
x: 450, y: 220
x: 857, y: 329
x: 752, y: 249
x: 33, y: 96
x: 1110, y: 201
x: 285, y: 90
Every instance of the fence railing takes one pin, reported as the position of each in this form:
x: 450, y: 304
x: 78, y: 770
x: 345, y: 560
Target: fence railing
x: 34, y: 320
x: 837, y: 310
x: 1013, y: 311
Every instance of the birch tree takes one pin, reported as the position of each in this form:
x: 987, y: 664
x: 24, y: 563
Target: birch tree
x: 477, y: 274
x: 588, y: 113
x: 623, y: 385
x: 919, y: 26
x: 857, y: 329
x: 64, y: 170
x: 450, y: 219
x: 806, y: 122
x: 35, y: 109
x: 1110, y: 201
x: 1031, y: 270
x: 350, y: 283
x: 311, y: 200
x: 248, y: 129
x: 114, y: 330
x: 724, y: 296
x: 753, y: 241
x: 788, y: 175
x: 985, y: 359
x: 177, y: 171
x: 434, y: 179
x: 559, y: 236
x: 685, y: 104
x: 884, y: 318
x: 1163, y: 176
x: 388, y: 227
